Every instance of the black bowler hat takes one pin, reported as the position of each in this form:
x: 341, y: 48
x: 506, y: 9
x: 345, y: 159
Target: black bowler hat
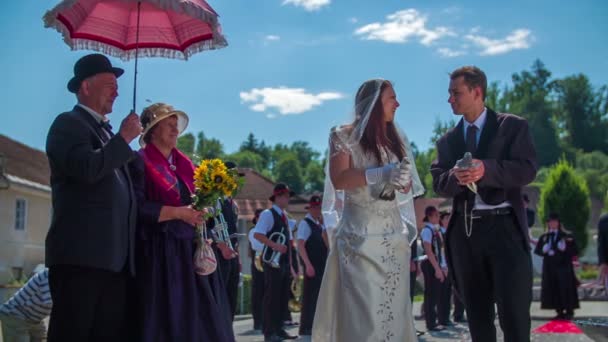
x: 553, y: 216
x: 314, y: 201
x: 279, y: 189
x: 91, y: 65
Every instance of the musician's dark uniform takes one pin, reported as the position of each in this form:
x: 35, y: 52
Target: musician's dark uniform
x: 276, y: 280
x: 311, y: 231
x: 229, y: 269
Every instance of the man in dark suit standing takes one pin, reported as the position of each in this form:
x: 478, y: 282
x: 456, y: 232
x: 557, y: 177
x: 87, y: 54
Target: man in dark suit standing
x: 488, y: 248
x: 89, y: 246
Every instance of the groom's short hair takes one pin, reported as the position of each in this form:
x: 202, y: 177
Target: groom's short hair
x: 473, y: 77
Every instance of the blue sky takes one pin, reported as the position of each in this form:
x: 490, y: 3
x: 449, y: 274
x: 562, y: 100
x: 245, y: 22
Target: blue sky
x: 292, y: 66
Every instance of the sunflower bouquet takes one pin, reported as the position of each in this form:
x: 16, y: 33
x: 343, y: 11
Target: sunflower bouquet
x: 212, y: 181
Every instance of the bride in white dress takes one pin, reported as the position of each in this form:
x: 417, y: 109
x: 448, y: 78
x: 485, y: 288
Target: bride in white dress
x: 365, y: 291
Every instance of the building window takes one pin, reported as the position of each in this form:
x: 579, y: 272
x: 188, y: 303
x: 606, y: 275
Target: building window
x: 20, y: 214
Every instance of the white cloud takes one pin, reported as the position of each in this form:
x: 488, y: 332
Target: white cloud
x: 402, y: 26
x: 449, y: 53
x: 309, y: 5
x: 518, y: 39
x: 285, y: 100
x: 272, y: 37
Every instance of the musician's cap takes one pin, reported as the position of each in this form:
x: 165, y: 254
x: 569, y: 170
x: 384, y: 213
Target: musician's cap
x: 232, y: 165
x: 314, y: 201
x: 280, y: 189
x: 553, y: 217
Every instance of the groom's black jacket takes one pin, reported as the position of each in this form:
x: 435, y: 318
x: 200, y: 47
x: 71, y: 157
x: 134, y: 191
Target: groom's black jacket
x: 509, y: 158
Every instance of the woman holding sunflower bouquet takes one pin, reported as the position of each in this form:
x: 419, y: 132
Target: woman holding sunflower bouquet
x: 174, y: 302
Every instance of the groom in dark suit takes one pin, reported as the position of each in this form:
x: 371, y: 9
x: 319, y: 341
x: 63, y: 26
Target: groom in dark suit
x: 487, y: 239
x: 89, y: 246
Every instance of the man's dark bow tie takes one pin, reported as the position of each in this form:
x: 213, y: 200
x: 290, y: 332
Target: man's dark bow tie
x: 106, y: 125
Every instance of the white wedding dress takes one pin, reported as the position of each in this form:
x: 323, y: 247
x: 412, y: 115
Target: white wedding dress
x: 365, y: 294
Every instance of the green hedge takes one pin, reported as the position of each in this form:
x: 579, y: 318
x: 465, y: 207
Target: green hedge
x: 245, y: 308
x: 566, y: 193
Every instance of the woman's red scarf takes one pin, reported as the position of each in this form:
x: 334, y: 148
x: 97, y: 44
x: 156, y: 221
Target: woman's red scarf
x: 161, y: 180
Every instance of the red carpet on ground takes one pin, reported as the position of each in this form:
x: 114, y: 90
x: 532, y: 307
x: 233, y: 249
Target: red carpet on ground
x: 558, y: 327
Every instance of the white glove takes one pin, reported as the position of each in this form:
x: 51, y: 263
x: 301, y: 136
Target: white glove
x: 561, y: 245
x: 390, y: 174
x: 546, y: 248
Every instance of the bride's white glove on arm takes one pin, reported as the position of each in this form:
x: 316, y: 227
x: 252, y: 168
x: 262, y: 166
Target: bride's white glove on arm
x: 389, y: 173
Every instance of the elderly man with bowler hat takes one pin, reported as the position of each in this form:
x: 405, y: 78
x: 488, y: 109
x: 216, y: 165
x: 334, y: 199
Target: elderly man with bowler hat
x: 89, y: 246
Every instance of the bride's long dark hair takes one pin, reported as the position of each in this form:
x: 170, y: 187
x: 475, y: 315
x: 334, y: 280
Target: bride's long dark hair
x: 378, y: 134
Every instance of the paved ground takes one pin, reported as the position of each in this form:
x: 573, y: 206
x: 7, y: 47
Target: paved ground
x: 592, y: 318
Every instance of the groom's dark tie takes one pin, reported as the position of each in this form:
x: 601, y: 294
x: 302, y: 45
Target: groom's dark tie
x: 471, y: 140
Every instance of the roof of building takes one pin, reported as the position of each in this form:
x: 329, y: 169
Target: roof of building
x: 27, y: 165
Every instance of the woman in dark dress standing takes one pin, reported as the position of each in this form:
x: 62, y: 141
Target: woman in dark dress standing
x: 558, y: 288
x: 175, y: 303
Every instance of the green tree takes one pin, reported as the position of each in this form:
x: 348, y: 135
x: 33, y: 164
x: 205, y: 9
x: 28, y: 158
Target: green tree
x: 581, y: 113
x: 288, y: 170
x: 529, y: 98
x: 252, y: 144
x: 440, y: 128
x: 208, y: 148
x: 277, y: 153
x: 567, y: 194
x: 315, y: 177
x: 594, y: 168
x: 185, y: 143
x: 304, y: 152
x: 495, y: 98
x: 423, y: 166
x: 247, y: 159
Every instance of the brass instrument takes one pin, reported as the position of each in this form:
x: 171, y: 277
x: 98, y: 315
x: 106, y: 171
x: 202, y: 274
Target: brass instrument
x: 270, y: 256
x: 220, y: 229
x: 257, y: 262
x: 295, y: 304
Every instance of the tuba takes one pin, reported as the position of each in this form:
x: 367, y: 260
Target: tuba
x: 270, y: 256
x: 295, y: 304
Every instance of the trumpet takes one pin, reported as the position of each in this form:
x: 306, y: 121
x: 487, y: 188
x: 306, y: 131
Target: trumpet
x: 220, y: 229
x: 295, y: 305
x: 257, y: 262
x: 272, y: 257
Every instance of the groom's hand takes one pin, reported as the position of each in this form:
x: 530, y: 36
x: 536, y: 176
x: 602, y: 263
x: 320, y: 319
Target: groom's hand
x: 471, y: 174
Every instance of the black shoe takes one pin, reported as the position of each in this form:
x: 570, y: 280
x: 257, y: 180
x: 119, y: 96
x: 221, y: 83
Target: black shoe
x: 272, y: 338
x: 419, y: 333
x: 448, y: 324
x: 291, y: 324
x: 284, y: 335
x: 559, y: 317
x: 437, y: 328
x: 460, y: 320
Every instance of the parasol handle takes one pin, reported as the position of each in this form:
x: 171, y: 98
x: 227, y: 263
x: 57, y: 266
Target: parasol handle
x: 136, y: 56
